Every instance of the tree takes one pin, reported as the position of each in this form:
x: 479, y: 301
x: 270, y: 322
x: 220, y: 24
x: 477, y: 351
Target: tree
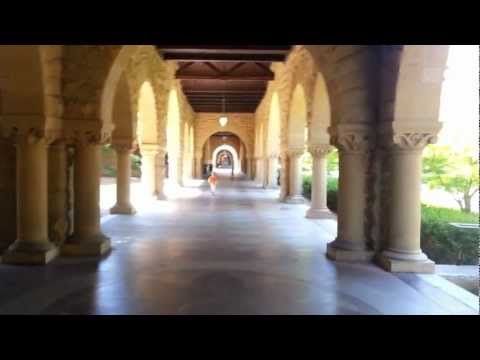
x: 454, y: 172
x: 332, y: 162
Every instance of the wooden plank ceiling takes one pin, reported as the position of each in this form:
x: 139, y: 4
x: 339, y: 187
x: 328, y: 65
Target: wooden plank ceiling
x: 224, y: 78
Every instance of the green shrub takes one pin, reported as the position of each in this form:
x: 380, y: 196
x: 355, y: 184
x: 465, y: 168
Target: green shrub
x: 446, y: 244
x: 332, y: 190
x: 109, y: 171
x: 307, y: 186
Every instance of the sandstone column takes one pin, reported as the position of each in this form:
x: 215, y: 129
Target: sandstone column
x: 124, y: 171
x: 32, y: 246
x: 198, y: 165
x: 8, y: 201
x: 149, y: 153
x: 160, y: 178
x: 318, y: 208
x: 354, y: 143
x: 249, y: 167
x: 272, y: 171
x: 87, y: 239
x: 295, y: 195
x: 179, y: 169
x: 284, y: 176
x: 259, y: 170
x: 403, y: 252
x: 57, y: 193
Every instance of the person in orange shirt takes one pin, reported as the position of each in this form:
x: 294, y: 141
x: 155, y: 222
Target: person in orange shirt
x: 212, y: 180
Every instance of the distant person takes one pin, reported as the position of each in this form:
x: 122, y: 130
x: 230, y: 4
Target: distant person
x: 212, y: 180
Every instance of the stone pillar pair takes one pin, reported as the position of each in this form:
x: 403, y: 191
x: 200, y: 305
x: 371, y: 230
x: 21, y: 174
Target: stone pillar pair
x: 401, y: 249
x: 33, y: 245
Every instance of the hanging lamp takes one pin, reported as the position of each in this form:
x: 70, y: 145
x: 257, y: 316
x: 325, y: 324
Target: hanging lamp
x: 223, y: 120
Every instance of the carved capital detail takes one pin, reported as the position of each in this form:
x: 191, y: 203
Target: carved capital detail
x: 122, y: 148
x: 85, y: 138
x: 353, y: 138
x: 404, y: 136
x: 149, y: 149
x: 412, y: 141
x: 320, y: 150
x: 293, y: 153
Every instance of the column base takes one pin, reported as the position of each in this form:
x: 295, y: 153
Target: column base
x: 22, y: 255
x: 318, y: 213
x: 398, y: 262
x: 338, y: 253
x: 297, y: 199
x: 93, y: 247
x: 123, y: 210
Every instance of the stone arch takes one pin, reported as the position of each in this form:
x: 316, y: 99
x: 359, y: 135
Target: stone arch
x: 173, y: 134
x: 31, y: 87
x: 233, y: 151
x: 118, y: 67
x: 274, y: 123
x: 297, y: 120
x: 321, y: 113
x: 207, y: 136
x: 419, y: 84
x: 147, y: 123
x: 123, y: 117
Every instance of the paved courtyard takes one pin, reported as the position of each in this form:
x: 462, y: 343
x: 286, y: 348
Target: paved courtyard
x: 239, y: 252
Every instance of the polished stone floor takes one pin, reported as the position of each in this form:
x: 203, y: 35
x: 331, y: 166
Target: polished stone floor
x: 238, y: 252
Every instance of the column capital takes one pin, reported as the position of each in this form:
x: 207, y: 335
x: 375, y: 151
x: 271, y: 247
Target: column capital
x: 150, y: 149
x: 352, y: 138
x: 32, y: 135
x: 295, y: 152
x: 320, y: 150
x: 120, y: 147
x: 85, y: 138
x: 405, y: 137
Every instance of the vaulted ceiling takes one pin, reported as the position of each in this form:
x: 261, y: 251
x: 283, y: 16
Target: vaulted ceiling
x: 224, y: 78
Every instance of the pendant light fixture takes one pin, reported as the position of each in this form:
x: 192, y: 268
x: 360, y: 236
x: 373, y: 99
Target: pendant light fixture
x: 223, y: 119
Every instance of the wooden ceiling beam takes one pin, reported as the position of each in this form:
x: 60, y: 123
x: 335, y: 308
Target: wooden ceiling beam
x: 224, y: 57
x: 220, y: 92
x: 225, y: 77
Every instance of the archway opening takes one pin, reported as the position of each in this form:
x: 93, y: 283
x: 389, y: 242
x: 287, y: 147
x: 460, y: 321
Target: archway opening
x: 225, y: 160
x: 214, y: 145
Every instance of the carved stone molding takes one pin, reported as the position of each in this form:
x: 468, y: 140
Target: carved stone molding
x: 293, y: 153
x: 123, y: 147
x: 352, y: 138
x: 32, y: 135
x: 320, y: 150
x: 413, y: 141
x: 408, y: 136
x: 150, y: 149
